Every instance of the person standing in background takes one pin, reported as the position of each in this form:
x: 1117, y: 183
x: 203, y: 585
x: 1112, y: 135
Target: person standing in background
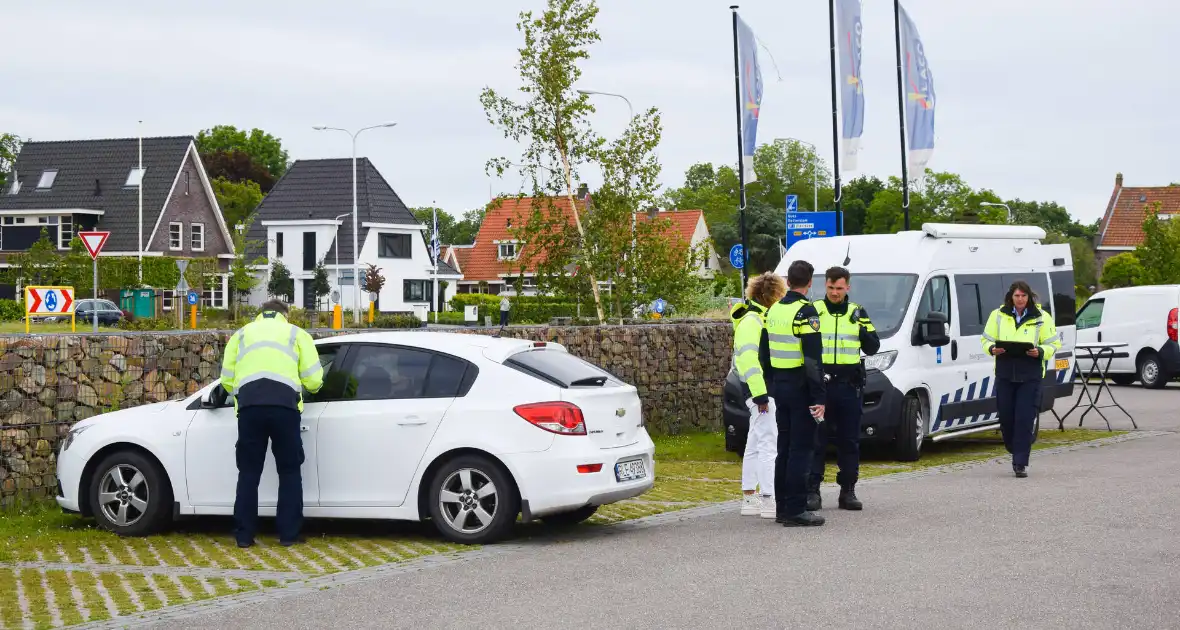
x: 505, y: 306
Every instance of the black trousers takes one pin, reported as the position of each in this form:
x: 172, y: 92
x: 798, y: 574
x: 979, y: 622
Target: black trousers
x: 841, y: 426
x: 503, y: 318
x: 279, y: 426
x: 1019, y: 408
x: 796, y: 444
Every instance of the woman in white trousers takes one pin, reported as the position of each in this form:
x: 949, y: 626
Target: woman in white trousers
x: 750, y: 359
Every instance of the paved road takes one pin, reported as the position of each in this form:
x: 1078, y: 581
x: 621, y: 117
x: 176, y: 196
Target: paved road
x: 1088, y: 541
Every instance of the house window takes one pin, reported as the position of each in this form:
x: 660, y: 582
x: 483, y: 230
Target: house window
x: 308, y: 251
x: 65, y: 232
x: 47, y: 178
x: 167, y: 297
x: 417, y: 291
x: 196, y: 233
x: 393, y: 246
x: 507, y: 251
x: 214, y: 294
x: 135, y: 177
x: 279, y: 244
x: 175, y: 236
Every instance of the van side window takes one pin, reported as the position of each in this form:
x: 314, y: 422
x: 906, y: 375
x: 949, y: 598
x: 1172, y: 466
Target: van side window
x: 936, y: 298
x: 1091, y: 314
x: 1065, y: 297
x: 979, y: 295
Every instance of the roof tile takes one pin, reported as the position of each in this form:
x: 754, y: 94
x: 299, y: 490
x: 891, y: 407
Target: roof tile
x: 1128, y: 209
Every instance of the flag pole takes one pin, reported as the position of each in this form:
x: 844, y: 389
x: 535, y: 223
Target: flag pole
x: 905, y: 175
x: 737, y: 94
x: 835, y: 119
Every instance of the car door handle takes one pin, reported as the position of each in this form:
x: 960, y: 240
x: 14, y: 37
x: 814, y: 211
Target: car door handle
x: 412, y: 421
x: 954, y: 350
x: 1100, y: 335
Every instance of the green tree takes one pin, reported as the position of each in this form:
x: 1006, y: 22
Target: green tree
x: 1122, y: 270
x: 452, y: 231
x: 319, y: 284
x: 238, y: 167
x: 236, y: 199
x: 446, y: 223
x: 552, y: 121
x: 280, y: 283
x: 858, y: 195
x: 262, y: 147
x: 1160, y: 251
x: 9, y: 148
x: 712, y: 191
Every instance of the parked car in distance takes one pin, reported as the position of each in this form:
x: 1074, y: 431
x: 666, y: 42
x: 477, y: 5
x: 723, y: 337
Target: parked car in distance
x: 1144, y: 318
x: 109, y: 313
x: 467, y: 431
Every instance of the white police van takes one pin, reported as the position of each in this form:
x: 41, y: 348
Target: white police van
x: 929, y: 293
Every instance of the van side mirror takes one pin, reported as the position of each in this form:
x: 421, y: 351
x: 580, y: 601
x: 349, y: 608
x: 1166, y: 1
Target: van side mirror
x: 931, y: 331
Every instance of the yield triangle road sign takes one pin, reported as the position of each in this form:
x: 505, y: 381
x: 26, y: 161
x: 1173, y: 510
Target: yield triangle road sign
x: 94, y: 241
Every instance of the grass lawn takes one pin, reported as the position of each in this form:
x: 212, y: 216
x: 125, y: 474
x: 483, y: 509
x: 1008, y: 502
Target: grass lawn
x: 57, y: 569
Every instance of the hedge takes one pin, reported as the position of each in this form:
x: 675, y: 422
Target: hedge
x: 525, y: 308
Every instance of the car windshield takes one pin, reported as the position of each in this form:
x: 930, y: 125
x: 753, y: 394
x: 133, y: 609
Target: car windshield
x: 884, y: 295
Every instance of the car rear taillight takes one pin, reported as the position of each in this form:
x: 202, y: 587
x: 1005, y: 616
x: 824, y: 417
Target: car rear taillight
x: 556, y: 417
x: 1172, y: 324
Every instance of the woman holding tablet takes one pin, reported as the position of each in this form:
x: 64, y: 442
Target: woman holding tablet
x: 1023, y: 339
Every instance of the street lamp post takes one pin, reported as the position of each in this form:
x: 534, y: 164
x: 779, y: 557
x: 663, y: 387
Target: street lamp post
x: 814, y: 174
x: 998, y: 205
x: 356, y: 265
x: 339, y: 286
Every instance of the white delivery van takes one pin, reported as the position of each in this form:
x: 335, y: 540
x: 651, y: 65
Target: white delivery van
x: 929, y: 294
x: 1144, y: 318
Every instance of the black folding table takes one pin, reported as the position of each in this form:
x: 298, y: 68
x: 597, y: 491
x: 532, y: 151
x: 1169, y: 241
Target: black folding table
x: 1097, y: 352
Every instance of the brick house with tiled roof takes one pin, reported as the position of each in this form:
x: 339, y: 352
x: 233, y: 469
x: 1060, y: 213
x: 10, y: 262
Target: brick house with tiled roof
x: 1121, y: 227
x: 65, y: 187
x: 489, y: 265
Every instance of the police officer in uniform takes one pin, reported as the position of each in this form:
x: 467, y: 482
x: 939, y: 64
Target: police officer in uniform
x: 1018, y: 376
x: 846, y: 331
x: 267, y: 365
x: 792, y: 327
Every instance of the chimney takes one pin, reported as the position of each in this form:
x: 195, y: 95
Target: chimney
x: 583, y: 190
x: 1118, y: 180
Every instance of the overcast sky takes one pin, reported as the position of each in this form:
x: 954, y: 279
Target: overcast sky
x: 1037, y: 99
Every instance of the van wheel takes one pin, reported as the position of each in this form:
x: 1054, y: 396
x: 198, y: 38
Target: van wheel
x: 1151, y: 373
x: 912, y: 432
x: 473, y: 501
x: 1123, y: 379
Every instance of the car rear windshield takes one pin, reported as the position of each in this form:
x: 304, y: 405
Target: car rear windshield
x: 562, y: 369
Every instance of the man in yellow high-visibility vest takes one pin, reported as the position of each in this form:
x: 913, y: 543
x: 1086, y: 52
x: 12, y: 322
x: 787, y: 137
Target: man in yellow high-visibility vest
x: 267, y: 365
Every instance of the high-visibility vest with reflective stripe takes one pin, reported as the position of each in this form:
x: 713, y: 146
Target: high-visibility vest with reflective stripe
x: 786, y: 348
x: 737, y: 312
x: 840, y: 334
x: 1039, y: 331
x: 746, y: 338
x: 270, y: 362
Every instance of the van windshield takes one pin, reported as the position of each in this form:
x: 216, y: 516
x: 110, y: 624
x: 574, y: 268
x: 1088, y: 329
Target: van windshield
x: 884, y: 295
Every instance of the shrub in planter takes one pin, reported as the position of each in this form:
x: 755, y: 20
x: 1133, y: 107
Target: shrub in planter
x: 396, y: 321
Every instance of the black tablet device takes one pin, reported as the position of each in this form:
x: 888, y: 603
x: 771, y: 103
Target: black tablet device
x: 1014, y: 347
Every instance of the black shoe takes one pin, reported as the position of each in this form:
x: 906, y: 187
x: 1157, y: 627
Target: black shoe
x: 848, y: 500
x: 815, y: 502
x: 245, y: 544
x: 297, y: 541
x: 1020, y: 471
x: 805, y: 519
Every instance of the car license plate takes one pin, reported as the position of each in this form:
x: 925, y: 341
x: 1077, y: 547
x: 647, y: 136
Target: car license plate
x: 630, y: 470
x: 1062, y: 364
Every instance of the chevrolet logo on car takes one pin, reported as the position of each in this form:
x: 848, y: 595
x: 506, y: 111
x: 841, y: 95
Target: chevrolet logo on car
x: 620, y: 412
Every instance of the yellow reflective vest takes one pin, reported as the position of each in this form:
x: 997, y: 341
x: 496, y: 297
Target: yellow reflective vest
x: 269, y: 362
x: 747, y: 336
x: 1036, y: 328
x: 841, y: 333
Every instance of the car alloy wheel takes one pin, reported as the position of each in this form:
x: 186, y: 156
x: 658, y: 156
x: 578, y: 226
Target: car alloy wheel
x: 124, y: 495
x: 468, y: 501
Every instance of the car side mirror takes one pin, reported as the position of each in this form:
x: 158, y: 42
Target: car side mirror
x: 215, y: 398
x: 932, y: 330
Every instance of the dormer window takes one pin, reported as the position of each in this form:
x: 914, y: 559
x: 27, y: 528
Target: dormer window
x: 47, y: 178
x: 15, y: 188
x: 135, y: 177
x: 507, y: 251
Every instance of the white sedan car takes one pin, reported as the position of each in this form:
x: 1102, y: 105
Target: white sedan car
x: 466, y: 430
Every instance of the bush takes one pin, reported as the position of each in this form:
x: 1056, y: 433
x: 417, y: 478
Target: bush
x: 10, y: 310
x: 525, y: 308
x: 148, y: 324
x: 396, y: 321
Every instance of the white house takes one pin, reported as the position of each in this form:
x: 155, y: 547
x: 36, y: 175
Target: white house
x: 307, y: 219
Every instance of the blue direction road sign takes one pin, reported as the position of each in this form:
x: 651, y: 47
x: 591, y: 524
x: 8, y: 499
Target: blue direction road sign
x: 792, y: 203
x: 736, y: 257
x: 193, y: 298
x: 804, y: 225
x: 659, y: 305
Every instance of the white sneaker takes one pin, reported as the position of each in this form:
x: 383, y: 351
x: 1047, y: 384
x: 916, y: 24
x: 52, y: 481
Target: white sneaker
x: 768, y: 508
x: 750, y: 505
